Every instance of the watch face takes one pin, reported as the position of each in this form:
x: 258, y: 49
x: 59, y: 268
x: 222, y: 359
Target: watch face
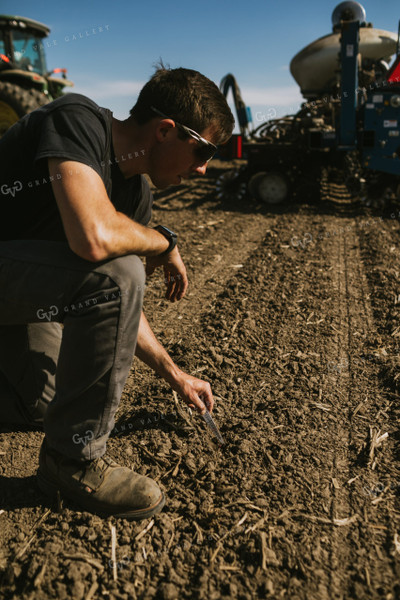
x: 170, y: 233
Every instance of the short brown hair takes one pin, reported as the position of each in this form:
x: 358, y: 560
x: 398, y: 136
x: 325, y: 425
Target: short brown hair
x: 188, y: 97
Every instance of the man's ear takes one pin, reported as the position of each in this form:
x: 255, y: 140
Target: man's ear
x: 164, y: 127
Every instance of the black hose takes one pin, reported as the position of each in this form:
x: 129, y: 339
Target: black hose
x: 229, y: 82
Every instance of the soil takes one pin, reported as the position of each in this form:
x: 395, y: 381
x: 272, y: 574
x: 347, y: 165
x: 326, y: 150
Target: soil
x: 292, y: 316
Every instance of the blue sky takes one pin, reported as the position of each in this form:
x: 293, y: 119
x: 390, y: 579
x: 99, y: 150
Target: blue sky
x: 255, y: 40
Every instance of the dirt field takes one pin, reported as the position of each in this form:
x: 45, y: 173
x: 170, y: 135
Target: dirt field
x: 292, y: 315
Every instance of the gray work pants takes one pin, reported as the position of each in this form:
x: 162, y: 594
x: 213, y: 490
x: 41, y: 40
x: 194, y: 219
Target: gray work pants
x: 73, y: 375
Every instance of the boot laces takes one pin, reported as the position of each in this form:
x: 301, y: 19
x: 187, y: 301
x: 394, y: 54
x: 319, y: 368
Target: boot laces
x: 102, y: 463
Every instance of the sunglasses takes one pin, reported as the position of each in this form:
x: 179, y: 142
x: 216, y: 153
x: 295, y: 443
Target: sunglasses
x: 205, y: 151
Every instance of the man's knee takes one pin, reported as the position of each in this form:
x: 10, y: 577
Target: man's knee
x: 127, y: 272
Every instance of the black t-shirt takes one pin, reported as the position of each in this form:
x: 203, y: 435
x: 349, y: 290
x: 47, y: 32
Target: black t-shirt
x: 75, y: 128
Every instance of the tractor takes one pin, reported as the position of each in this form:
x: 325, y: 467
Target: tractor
x: 25, y: 82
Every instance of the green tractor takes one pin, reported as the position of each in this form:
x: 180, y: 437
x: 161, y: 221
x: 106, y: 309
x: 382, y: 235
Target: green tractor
x: 25, y: 82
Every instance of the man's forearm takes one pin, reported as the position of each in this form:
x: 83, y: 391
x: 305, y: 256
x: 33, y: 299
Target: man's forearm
x: 151, y: 352
x: 196, y: 393
x: 125, y: 236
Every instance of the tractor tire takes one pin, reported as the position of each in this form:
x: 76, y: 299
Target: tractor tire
x: 230, y: 186
x: 15, y: 102
x: 271, y: 188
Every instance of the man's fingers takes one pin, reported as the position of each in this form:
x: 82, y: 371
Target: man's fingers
x: 201, y: 407
x: 207, y: 399
x: 169, y: 294
x: 183, y: 286
x: 176, y: 286
x: 185, y: 282
x: 179, y: 291
x: 169, y: 284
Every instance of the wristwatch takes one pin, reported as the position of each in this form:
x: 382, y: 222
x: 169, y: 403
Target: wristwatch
x: 171, y: 237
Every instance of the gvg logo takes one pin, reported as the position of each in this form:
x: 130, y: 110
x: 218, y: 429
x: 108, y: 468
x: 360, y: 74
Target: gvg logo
x: 5, y: 190
x: 378, y: 489
x: 77, y: 439
x: 338, y: 367
x: 52, y: 312
x: 124, y: 562
x: 302, y: 243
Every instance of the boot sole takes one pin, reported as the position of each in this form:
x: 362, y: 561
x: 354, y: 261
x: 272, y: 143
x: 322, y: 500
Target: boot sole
x: 49, y: 488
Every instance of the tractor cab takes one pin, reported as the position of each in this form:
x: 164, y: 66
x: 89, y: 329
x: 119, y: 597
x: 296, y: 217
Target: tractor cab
x: 21, y: 45
x: 25, y: 82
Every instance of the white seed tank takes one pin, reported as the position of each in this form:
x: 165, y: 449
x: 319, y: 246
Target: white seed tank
x: 315, y: 68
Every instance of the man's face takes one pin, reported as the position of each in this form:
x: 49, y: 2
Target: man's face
x: 175, y: 158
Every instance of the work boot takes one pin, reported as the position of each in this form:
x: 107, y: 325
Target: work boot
x: 100, y: 485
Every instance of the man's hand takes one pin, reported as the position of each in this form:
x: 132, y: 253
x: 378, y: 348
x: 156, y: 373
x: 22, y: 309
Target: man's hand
x: 195, y: 392
x: 174, y: 272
